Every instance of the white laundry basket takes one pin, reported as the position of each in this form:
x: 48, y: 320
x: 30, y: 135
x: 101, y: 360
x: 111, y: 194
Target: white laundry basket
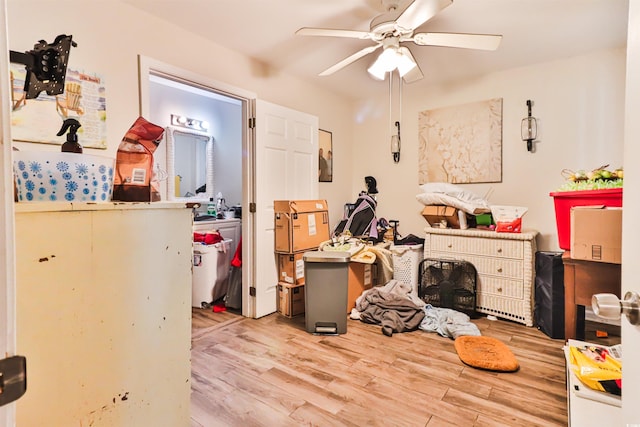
x: 406, y: 263
x: 211, y: 265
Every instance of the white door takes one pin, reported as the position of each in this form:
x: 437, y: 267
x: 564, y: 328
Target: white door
x: 630, y: 233
x: 7, y: 264
x: 286, y: 168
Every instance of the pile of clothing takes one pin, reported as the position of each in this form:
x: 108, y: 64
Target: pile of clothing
x: 208, y: 237
x: 362, y: 251
x: 392, y: 306
x: 396, y: 308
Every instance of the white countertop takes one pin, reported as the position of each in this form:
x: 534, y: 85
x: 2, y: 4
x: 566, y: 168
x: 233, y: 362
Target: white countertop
x: 69, y: 206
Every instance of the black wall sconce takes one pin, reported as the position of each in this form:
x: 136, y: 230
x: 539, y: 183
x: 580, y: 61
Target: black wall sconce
x: 529, y: 128
x: 46, y: 66
x: 395, y: 144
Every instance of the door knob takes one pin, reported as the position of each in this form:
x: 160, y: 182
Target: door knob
x: 608, y: 306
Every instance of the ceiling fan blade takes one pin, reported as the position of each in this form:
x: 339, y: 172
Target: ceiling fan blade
x: 327, y: 32
x: 465, y: 41
x: 419, y: 12
x: 415, y: 73
x: 359, y: 54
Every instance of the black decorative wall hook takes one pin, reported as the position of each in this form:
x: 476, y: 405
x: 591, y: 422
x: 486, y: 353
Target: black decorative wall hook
x: 529, y: 128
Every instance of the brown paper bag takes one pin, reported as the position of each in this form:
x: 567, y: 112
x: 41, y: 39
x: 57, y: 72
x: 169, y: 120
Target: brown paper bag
x: 134, y: 179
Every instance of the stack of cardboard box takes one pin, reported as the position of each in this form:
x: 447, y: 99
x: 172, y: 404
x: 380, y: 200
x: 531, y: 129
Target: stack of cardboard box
x: 300, y: 226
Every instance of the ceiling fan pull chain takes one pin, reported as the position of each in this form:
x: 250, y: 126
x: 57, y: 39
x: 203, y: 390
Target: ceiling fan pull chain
x: 400, y: 87
x: 390, y: 103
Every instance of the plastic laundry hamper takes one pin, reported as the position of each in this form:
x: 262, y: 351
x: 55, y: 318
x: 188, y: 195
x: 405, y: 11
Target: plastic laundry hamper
x: 211, y: 265
x: 406, y: 264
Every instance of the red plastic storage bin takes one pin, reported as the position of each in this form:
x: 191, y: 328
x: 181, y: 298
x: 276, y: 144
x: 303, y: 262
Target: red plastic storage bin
x: 565, y: 200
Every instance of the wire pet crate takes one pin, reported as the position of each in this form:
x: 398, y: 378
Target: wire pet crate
x: 448, y: 284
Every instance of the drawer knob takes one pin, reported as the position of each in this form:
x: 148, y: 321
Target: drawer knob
x: 499, y: 250
x: 449, y: 245
x: 499, y: 289
x: 500, y: 270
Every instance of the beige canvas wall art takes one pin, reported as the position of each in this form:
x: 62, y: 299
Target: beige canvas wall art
x: 461, y: 144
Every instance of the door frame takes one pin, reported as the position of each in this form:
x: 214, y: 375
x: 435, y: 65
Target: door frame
x: 7, y: 221
x: 146, y: 68
x: 631, y: 204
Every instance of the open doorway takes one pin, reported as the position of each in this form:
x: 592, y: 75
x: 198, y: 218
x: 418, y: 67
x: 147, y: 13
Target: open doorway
x: 167, y: 92
x: 280, y: 146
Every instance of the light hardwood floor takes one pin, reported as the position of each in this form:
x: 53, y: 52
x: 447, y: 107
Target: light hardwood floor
x: 271, y: 372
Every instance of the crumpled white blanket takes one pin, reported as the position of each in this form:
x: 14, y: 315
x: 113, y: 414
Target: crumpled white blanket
x: 447, y: 322
x: 470, y: 207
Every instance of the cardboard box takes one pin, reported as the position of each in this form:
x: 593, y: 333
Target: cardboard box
x: 360, y: 279
x: 291, y: 268
x: 596, y: 233
x: 565, y: 200
x: 440, y: 215
x: 300, y: 225
x: 290, y: 300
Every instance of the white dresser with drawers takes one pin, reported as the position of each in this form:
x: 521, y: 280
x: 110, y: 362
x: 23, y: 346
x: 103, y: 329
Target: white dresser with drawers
x: 505, y: 263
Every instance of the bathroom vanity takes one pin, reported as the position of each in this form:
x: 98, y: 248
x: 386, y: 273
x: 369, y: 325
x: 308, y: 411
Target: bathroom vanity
x: 104, y: 313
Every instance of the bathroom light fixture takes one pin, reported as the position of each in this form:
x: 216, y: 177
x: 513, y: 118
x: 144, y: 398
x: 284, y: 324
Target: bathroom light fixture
x: 392, y: 57
x: 529, y: 128
x: 189, y: 123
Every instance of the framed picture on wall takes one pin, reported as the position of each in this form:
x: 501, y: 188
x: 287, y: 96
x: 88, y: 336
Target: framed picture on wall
x: 325, y: 160
x: 38, y: 120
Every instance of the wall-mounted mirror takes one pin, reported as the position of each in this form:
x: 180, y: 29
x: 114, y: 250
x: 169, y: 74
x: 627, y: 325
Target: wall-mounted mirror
x: 189, y: 165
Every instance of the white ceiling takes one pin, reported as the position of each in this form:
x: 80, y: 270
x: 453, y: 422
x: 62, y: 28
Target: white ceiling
x: 533, y: 31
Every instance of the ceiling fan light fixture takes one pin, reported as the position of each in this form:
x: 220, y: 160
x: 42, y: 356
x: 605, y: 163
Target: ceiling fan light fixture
x: 385, y: 62
x: 405, y: 62
x: 390, y: 59
x: 377, y: 71
x: 399, y: 25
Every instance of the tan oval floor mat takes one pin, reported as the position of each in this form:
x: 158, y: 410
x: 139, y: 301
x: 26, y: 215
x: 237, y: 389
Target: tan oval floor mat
x: 486, y: 353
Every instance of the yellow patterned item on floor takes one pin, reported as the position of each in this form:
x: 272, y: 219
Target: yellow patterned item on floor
x: 596, y: 368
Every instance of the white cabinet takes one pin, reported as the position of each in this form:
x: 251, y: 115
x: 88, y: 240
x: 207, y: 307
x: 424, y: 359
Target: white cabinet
x: 103, y: 295
x: 505, y: 263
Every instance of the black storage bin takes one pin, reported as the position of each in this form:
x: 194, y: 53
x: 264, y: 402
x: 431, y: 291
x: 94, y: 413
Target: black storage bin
x: 548, y: 311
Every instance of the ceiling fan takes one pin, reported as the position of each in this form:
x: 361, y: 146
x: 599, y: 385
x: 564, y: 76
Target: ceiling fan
x: 397, y: 26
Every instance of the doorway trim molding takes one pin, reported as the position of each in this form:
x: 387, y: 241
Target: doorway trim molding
x: 148, y: 67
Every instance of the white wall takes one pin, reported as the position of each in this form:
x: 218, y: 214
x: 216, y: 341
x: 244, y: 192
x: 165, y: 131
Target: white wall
x: 111, y: 35
x: 579, y: 102
x: 580, y: 106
